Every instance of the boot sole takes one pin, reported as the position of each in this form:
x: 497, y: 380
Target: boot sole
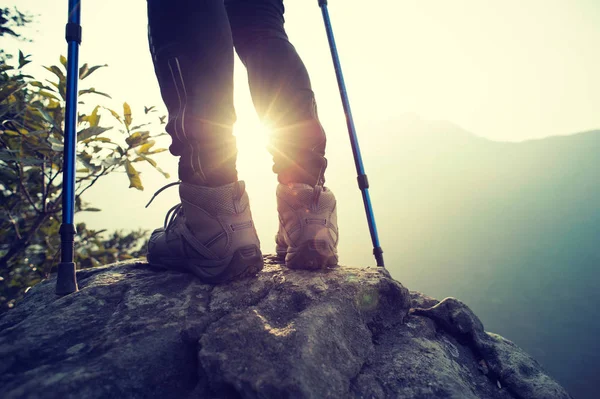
x: 311, y: 255
x: 245, y: 262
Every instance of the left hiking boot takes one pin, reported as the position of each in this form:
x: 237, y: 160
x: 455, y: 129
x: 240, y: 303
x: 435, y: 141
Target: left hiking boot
x: 210, y: 233
x: 308, y: 232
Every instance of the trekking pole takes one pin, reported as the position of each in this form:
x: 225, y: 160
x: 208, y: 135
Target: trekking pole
x: 66, y: 281
x: 363, y: 183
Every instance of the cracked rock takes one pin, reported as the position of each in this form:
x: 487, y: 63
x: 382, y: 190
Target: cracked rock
x: 136, y: 332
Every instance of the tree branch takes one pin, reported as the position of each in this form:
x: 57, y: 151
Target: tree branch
x: 24, y: 189
x: 20, y: 245
x: 12, y: 220
x: 103, y: 173
x: 44, y: 191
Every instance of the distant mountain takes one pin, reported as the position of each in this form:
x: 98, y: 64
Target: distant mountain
x: 512, y: 229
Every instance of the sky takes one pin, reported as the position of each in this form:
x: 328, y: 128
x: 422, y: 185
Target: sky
x: 508, y: 71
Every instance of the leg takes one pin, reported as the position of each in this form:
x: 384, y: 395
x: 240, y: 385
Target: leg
x: 211, y: 232
x: 192, y: 51
x: 283, y: 97
x: 280, y: 88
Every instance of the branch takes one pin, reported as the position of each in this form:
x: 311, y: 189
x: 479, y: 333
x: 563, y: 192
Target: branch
x: 44, y: 187
x: 12, y: 220
x: 103, y: 173
x: 58, y: 172
x: 47, y: 193
x: 20, y: 245
x: 22, y: 186
x: 15, y: 225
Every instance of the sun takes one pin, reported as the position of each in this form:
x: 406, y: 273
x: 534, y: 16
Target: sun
x: 255, y: 168
x: 254, y: 161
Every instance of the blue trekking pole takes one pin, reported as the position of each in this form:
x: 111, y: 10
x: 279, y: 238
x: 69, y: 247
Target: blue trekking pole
x: 66, y: 281
x: 363, y: 183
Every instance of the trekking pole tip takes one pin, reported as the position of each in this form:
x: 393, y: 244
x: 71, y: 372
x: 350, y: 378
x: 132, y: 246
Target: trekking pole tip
x: 378, y: 252
x: 66, y: 282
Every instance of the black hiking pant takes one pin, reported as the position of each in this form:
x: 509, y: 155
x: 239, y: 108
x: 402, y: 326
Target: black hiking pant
x: 192, y: 42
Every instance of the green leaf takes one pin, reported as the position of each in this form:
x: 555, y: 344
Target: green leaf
x: 56, y: 70
x: 8, y: 175
x: 149, y: 109
x: 93, y: 91
x: 63, y: 61
x: 46, y: 116
x: 137, y: 138
x: 47, y: 94
x: 91, y: 210
x: 153, y: 163
x: 114, y: 114
x: 35, y: 83
x: 136, y: 127
x: 7, y: 90
x: 86, y: 160
x: 102, y: 139
x: 134, y: 176
x: 23, y: 59
x: 84, y: 71
x: 127, y: 115
x: 158, y: 150
x: 90, y: 132
x: 145, y: 147
x: 56, y: 144
x: 110, y: 161
x: 53, y: 83
x: 6, y: 67
x: 27, y: 161
x: 93, y: 119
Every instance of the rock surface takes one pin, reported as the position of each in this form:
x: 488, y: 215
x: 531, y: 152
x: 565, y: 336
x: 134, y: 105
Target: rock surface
x: 135, y: 332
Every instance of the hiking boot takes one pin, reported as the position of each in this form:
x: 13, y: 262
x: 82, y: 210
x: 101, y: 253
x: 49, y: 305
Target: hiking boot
x: 210, y: 233
x: 308, y: 232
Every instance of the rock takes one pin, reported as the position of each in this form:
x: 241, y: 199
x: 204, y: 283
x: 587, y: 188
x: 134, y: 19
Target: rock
x: 132, y: 331
x: 513, y: 368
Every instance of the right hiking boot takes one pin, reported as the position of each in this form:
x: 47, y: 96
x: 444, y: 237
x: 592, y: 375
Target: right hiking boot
x: 210, y: 233
x: 308, y: 232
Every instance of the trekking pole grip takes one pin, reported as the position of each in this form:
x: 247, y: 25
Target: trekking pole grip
x: 322, y: 3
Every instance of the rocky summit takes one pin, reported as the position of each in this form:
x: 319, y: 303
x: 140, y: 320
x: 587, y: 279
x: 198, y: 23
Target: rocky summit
x: 136, y: 332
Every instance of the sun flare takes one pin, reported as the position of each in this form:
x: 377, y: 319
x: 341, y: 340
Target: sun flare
x: 254, y: 161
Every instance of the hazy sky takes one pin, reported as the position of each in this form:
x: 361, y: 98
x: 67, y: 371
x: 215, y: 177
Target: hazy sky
x: 506, y: 70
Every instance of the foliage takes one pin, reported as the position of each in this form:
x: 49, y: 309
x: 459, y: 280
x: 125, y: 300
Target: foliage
x: 32, y: 135
x: 10, y: 19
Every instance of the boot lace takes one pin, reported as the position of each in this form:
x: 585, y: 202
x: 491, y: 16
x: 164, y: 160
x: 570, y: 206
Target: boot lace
x: 174, y: 211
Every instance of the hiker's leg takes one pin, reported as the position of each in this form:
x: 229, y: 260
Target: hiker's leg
x: 280, y: 88
x: 283, y: 97
x: 211, y: 232
x: 192, y: 51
